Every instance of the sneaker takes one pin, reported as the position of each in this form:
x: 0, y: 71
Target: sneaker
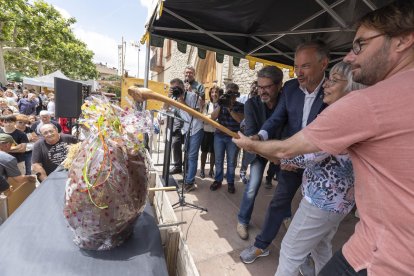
x: 251, y: 253
x: 242, y: 231
x: 286, y: 222
x: 211, y: 173
x: 216, y: 185
x: 308, y: 267
x: 230, y: 188
x: 189, y: 187
x: 268, y: 184
x: 176, y: 170
x: 202, y: 174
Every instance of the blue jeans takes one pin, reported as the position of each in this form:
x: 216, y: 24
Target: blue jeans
x: 28, y: 162
x: 222, y: 145
x: 279, y: 207
x: 192, y: 156
x: 251, y: 189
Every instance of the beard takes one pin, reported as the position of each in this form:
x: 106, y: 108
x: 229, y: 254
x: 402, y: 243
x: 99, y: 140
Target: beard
x: 265, y: 100
x: 373, y: 70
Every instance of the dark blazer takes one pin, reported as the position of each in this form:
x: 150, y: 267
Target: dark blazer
x: 254, y: 118
x: 289, y: 110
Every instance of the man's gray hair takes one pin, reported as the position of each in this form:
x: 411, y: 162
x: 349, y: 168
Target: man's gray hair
x: 190, y: 67
x: 45, y: 125
x: 344, y: 69
x: 321, y: 48
x: 271, y: 72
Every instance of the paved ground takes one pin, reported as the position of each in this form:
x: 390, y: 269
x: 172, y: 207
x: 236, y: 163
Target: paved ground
x: 212, y: 238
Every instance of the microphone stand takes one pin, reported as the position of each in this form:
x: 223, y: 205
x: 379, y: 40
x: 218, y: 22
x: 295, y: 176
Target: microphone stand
x: 181, y: 198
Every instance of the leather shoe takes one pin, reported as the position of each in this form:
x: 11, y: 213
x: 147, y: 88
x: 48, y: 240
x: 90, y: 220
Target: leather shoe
x: 215, y: 185
x: 231, y: 189
x: 176, y: 170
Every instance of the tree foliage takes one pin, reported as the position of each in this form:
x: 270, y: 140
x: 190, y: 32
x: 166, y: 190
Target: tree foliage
x: 49, y: 38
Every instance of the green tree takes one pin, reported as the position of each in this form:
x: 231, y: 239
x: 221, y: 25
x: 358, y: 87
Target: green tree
x: 48, y: 38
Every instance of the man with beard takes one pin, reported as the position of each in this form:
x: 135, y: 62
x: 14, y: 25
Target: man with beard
x: 256, y: 111
x: 375, y: 126
x: 194, y: 98
x: 299, y: 104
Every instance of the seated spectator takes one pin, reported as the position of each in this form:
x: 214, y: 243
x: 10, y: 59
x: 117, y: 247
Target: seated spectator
x: 51, y: 104
x: 8, y: 164
x: 4, y: 105
x: 18, y: 151
x: 27, y: 105
x: 32, y: 120
x: 49, y: 152
x: 10, y: 97
x: 21, y: 124
x: 45, y: 118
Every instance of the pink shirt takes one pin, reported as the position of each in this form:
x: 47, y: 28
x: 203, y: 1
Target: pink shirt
x: 376, y: 126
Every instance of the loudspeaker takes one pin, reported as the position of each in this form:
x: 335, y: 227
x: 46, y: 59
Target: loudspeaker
x: 68, y: 98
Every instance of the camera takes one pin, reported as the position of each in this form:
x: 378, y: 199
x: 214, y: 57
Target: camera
x: 225, y: 99
x: 177, y: 92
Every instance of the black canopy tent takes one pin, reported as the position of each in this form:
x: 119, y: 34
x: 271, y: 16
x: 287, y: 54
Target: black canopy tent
x: 258, y: 30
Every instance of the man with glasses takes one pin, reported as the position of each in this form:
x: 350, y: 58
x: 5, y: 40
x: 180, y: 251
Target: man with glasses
x: 299, y: 104
x: 256, y: 111
x: 50, y: 151
x: 375, y: 126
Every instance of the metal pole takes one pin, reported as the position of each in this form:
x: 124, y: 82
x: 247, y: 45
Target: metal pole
x: 147, y: 61
x: 139, y: 48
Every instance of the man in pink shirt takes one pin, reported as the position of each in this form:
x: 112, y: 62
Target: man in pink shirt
x: 375, y: 125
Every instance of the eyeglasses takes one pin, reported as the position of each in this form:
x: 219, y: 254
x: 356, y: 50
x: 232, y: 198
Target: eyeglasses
x: 46, y: 132
x: 357, y: 46
x: 333, y: 81
x: 266, y: 87
x: 19, y: 122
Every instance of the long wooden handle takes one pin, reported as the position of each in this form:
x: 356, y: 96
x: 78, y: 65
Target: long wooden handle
x: 142, y: 94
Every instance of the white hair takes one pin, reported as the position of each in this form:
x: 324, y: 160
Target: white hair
x: 44, y: 112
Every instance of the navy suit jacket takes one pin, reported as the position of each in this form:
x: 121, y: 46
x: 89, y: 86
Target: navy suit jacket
x: 254, y: 118
x: 289, y: 110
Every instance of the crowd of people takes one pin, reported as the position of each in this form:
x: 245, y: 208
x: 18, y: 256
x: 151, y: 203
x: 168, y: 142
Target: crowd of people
x: 31, y: 144
x: 343, y: 137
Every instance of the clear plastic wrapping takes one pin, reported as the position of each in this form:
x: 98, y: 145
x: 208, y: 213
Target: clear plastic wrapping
x: 108, y: 179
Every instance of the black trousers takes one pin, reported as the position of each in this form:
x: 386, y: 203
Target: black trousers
x: 176, y: 147
x: 338, y: 266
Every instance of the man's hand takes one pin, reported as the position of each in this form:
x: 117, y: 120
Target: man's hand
x: 255, y: 137
x: 243, y: 142
x: 187, y: 86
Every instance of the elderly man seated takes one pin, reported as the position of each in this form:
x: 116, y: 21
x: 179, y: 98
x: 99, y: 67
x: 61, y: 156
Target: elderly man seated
x: 49, y: 152
x: 45, y: 118
x: 8, y: 164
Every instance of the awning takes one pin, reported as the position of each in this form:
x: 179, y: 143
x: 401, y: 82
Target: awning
x: 46, y: 80
x: 265, y: 30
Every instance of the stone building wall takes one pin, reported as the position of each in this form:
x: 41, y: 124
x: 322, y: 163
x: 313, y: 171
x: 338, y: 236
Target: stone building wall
x: 175, y: 64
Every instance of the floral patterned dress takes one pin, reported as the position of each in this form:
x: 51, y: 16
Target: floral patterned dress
x: 328, y: 180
